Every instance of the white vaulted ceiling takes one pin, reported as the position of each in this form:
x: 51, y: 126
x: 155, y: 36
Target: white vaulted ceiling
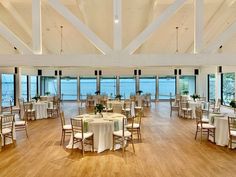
x: 136, y: 15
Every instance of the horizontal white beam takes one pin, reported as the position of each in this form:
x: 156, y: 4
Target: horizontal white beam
x: 119, y: 60
x: 145, y: 34
x: 89, y: 34
x: 14, y: 40
x: 221, y: 39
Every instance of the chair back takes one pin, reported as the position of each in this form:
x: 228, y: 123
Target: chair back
x: 124, y: 122
x: 62, y: 117
x: 117, y: 108
x: 231, y: 124
x: 184, y: 104
x: 77, y: 126
x: 7, y: 122
x: 138, y: 119
x: 198, y: 113
x: 127, y: 104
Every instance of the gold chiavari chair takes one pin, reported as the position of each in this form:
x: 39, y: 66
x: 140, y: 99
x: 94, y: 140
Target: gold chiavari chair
x: 232, y: 131
x: 6, y: 127
x: 66, y: 128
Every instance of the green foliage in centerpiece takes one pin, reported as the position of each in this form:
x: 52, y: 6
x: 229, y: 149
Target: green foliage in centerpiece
x: 195, y: 96
x: 36, y: 98
x: 47, y: 93
x: 118, y: 97
x: 139, y: 92
x: 98, y: 108
x: 185, y: 92
x: 97, y: 92
x: 232, y: 103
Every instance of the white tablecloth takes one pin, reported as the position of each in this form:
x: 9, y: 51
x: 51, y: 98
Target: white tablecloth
x: 220, y: 121
x: 102, y: 128
x: 193, y: 105
x: 41, y: 109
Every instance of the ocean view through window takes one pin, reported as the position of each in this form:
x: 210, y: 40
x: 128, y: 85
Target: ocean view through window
x: 167, y: 85
x: 127, y: 87
x: 8, y: 91
x: 69, y: 88
x: 108, y: 86
x: 88, y: 85
x: 148, y: 85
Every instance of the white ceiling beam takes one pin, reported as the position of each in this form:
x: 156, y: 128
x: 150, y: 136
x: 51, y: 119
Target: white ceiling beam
x: 89, y: 34
x: 116, y: 60
x: 198, y: 25
x: 14, y: 40
x: 117, y: 25
x: 36, y: 26
x: 145, y: 34
x: 11, y: 9
x: 221, y: 39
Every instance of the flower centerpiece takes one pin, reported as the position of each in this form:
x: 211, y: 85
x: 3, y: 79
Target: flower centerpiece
x: 36, y: 98
x: 139, y: 92
x: 185, y: 92
x: 195, y: 96
x: 99, y: 108
x: 97, y: 92
x: 233, y: 105
x: 118, y: 97
x: 47, y: 93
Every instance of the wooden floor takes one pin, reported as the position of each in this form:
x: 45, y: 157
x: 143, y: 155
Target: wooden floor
x: 168, y: 149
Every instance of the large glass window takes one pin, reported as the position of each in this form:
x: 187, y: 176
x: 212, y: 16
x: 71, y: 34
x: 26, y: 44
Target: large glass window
x: 8, y: 89
x: 211, y: 87
x: 24, y: 87
x: 69, y: 88
x: 148, y: 86
x: 228, y: 88
x: 127, y: 87
x: 88, y: 85
x: 33, y: 86
x: 187, y: 83
x: 166, y: 85
x: 108, y: 86
x: 49, y: 84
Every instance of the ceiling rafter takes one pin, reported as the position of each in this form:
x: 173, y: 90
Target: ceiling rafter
x: 221, y: 39
x: 144, y: 35
x: 89, y: 34
x: 14, y: 40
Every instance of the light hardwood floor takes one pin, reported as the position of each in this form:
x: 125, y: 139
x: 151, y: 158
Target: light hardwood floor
x: 168, y: 149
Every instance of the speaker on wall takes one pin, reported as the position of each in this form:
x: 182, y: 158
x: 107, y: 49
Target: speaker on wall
x: 135, y: 72
x: 100, y: 72
x: 55, y: 72
x: 39, y: 72
x: 16, y: 70
x: 196, y: 71
x: 175, y: 71
x: 60, y: 72
x: 95, y: 72
x: 219, y: 69
x: 180, y: 72
x: 139, y: 72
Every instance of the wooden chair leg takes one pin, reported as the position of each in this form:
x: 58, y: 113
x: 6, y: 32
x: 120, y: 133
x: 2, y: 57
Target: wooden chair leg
x: 26, y: 132
x: 113, y: 146
x: 196, y: 133
x: 82, y: 142
x: 132, y: 143
x: 93, y: 143
x: 61, y: 137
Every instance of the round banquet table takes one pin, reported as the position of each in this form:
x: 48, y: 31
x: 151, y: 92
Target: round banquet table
x: 103, y: 128
x: 220, y: 121
x: 193, y: 105
x: 40, y: 109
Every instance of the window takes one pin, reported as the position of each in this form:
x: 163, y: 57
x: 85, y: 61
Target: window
x: 108, y: 86
x: 88, y: 85
x: 8, y: 90
x: 24, y: 87
x: 211, y: 87
x: 33, y: 86
x: 127, y: 87
x: 69, y: 88
x: 49, y: 84
x: 228, y: 88
x: 166, y: 85
x: 187, y: 83
x: 148, y: 85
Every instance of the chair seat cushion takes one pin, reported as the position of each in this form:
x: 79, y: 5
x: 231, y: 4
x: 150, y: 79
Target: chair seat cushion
x: 20, y: 122
x: 135, y: 125
x: 119, y: 133
x: 15, y: 109
x: 204, y: 125
x: 86, y: 135
x: 67, y: 127
x: 6, y: 131
x: 233, y: 132
x: 30, y: 110
x: 205, y: 120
